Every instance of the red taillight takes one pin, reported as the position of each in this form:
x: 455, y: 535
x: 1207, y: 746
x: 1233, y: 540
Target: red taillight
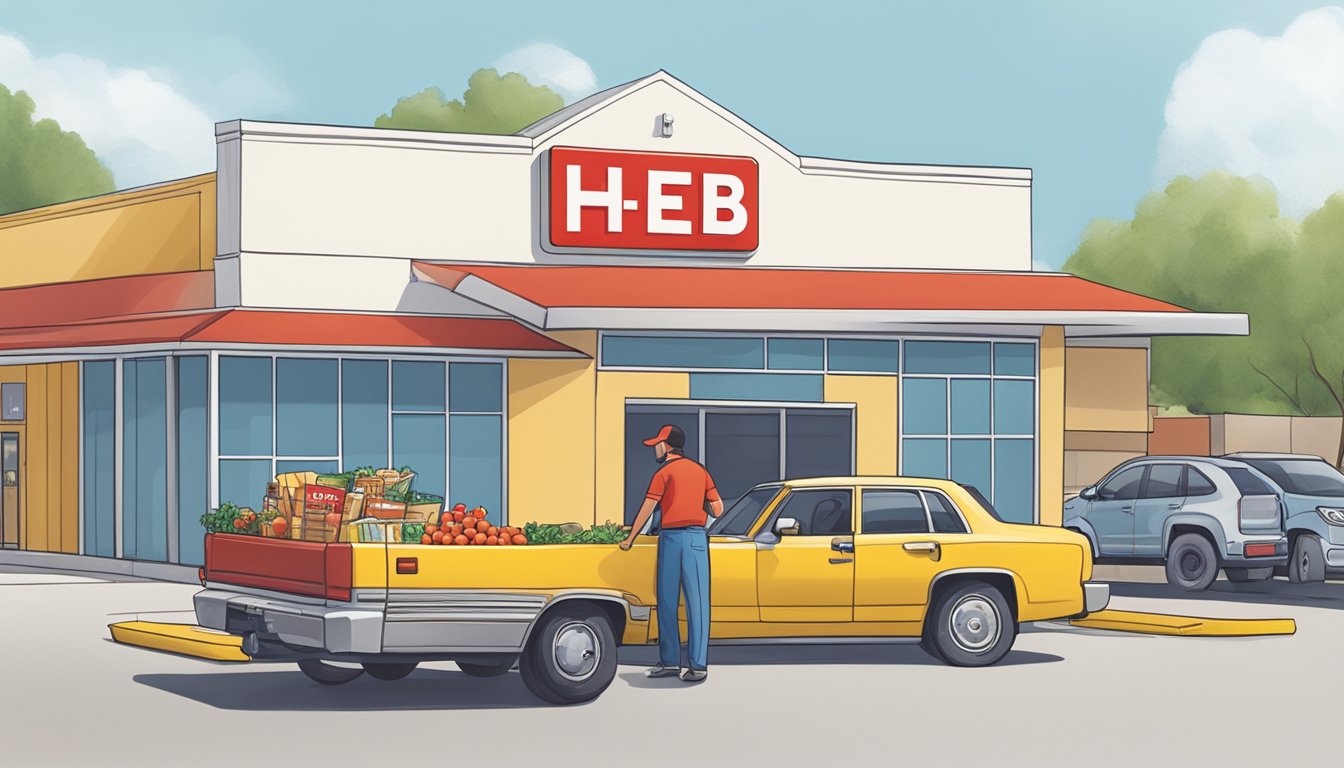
x: 408, y: 565
x: 339, y: 571
x: 200, y: 574
x: 1259, y: 550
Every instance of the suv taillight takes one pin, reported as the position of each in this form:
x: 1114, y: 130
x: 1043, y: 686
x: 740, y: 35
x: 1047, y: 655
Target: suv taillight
x: 1258, y: 513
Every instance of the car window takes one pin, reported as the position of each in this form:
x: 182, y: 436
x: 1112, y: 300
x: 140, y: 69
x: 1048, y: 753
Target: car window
x: 1248, y: 483
x: 1123, y: 486
x: 893, y: 512
x: 1308, y: 477
x: 945, y: 517
x: 738, y: 519
x: 820, y: 511
x: 1164, y: 481
x: 1198, y: 484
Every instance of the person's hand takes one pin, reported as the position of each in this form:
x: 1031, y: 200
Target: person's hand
x: 625, y: 545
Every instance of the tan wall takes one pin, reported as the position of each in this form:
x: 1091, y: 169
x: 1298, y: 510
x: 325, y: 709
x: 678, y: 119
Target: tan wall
x: 49, y: 456
x: 1052, y: 388
x: 165, y: 228
x: 1315, y: 435
x: 876, y: 429
x: 1107, y: 389
x: 613, y: 388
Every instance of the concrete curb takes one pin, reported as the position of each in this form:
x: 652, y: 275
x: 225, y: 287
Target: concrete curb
x: 101, y: 566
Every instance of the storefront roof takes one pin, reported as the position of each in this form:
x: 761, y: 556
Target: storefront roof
x: 755, y: 298
x: 111, y: 297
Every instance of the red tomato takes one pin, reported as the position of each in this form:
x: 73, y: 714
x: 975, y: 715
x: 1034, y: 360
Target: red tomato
x: 436, y: 537
x: 460, y: 540
x: 426, y: 539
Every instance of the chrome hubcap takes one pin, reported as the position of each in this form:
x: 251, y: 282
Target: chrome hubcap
x: 974, y: 624
x: 576, y: 651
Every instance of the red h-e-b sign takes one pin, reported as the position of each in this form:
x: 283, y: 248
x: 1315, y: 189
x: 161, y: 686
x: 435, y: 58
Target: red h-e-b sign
x: 652, y: 201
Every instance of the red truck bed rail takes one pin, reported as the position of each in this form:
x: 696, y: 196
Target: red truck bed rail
x: 308, y: 568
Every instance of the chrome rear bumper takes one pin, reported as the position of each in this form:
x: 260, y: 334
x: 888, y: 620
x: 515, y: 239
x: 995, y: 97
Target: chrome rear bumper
x: 1096, y: 596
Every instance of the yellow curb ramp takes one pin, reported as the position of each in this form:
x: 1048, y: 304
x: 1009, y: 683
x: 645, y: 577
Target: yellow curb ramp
x: 184, y: 639
x: 1184, y: 626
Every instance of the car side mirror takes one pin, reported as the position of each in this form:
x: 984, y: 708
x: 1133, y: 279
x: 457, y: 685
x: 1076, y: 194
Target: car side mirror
x: 786, y: 526
x: 1089, y: 493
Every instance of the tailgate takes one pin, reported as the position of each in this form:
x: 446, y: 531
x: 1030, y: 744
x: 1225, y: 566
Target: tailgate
x: 308, y: 568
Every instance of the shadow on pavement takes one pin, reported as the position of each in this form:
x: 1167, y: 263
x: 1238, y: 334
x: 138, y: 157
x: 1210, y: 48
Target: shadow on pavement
x: 1269, y: 592
x: 749, y: 655
x: 287, y: 689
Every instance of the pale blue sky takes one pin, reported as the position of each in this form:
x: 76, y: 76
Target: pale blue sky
x: 1074, y: 90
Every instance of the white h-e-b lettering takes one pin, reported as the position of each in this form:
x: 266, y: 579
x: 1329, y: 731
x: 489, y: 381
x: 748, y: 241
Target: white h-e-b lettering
x: 577, y: 198
x: 732, y: 202
x: 659, y: 202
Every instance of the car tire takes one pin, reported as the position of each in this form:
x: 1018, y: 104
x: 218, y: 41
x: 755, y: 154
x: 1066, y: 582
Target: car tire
x: 328, y: 674
x: 1192, y: 563
x: 1306, y: 562
x: 927, y: 645
x: 570, y: 657
x: 970, y: 625
x: 390, y: 670
x: 482, y: 669
x: 1237, y: 575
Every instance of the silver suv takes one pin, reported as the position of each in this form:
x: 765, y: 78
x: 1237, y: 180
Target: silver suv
x: 1194, y: 514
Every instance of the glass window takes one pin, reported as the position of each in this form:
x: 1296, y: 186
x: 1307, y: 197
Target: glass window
x: 972, y: 463
x: 417, y: 386
x: 1164, y: 482
x: 193, y: 457
x: 244, y: 406
x: 1248, y: 483
x: 1123, y: 486
x: 1015, y: 480
x: 476, y: 387
x: 779, y: 387
x: 1014, y: 407
x: 642, y: 423
x: 418, y: 442
x: 98, y: 423
x: 1198, y: 484
x: 1014, y: 359
x: 683, y: 351
x: 144, y: 467
x: 243, y: 481
x: 476, y: 475
x: 306, y: 408
x: 820, y: 511
x: 893, y: 512
x: 863, y: 355
x: 945, y: 517
x: 364, y: 413
x: 924, y: 407
x: 924, y: 457
x: 1308, y: 477
x: 738, y: 519
x: 320, y: 466
x: 741, y: 450
x: 970, y: 406
x: 817, y: 443
x: 950, y: 357
x: 797, y: 354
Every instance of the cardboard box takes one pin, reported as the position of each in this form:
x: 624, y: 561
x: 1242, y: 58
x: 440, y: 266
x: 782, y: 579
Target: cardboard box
x: 385, y: 509
x: 354, y: 506
x: 370, y: 486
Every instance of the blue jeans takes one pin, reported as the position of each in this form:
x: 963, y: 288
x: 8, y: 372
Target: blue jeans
x: 683, y: 566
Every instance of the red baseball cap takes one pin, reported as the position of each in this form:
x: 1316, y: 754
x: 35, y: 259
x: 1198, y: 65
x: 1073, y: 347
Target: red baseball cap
x: 670, y: 434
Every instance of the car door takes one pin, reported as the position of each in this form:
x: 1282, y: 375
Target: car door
x: 1111, y: 513
x: 808, y: 577
x: 898, y: 552
x: 1162, y: 495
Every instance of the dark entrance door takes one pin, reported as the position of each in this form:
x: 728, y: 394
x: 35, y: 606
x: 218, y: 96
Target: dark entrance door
x: 9, y: 489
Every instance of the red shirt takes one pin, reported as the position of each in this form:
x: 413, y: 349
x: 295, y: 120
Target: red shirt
x: 681, y: 487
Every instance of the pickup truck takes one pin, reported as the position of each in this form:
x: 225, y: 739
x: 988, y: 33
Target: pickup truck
x: 849, y: 559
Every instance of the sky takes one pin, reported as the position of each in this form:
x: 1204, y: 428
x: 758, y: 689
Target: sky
x: 1104, y: 101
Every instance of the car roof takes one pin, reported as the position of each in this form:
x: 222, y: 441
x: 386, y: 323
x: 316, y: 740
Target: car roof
x: 1279, y: 456
x: 1216, y: 461
x: 825, y: 482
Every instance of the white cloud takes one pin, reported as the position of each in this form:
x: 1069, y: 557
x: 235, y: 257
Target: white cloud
x: 1267, y: 106
x: 552, y: 66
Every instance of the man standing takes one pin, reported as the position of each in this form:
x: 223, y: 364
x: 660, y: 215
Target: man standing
x: 681, y: 487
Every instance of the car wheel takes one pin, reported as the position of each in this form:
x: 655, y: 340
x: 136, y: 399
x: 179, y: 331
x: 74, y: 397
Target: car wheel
x: 390, y: 671
x: 927, y: 645
x: 1306, y: 563
x: 571, y: 655
x: 479, y: 669
x: 1192, y: 564
x: 1237, y: 575
x: 971, y: 626
x: 328, y: 674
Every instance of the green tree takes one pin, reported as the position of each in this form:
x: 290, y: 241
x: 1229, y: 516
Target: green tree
x: 1213, y: 244
x: 491, y: 104
x: 39, y: 163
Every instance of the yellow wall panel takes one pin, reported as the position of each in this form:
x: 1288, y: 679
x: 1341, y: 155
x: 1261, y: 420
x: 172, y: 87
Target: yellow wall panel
x: 70, y: 458
x: 876, y: 428
x: 55, y: 376
x: 1051, y: 438
x: 613, y: 389
x: 551, y: 437
x: 1107, y: 389
x: 34, y: 481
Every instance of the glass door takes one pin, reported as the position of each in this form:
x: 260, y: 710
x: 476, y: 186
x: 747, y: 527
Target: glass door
x: 9, y: 489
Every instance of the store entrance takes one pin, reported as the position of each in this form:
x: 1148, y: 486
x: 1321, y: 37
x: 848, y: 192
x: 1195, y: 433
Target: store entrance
x: 741, y: 445
x: 9, y: 489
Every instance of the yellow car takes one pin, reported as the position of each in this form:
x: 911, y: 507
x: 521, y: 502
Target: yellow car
x: 817, y: 560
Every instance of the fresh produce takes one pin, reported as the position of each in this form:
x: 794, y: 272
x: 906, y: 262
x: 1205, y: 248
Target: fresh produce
x: 413, y: 532
x: 230, y: 518
x: 279, y: 525
x: 545, y: 533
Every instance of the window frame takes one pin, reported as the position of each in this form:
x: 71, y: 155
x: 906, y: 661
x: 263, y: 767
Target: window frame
x: 924, y: 493
x: 1117, y: 472
x: 1148, y: 478
x: 781, y: 502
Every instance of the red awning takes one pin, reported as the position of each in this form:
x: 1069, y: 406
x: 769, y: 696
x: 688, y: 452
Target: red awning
x: 761, y: 298
x: 112, y: 297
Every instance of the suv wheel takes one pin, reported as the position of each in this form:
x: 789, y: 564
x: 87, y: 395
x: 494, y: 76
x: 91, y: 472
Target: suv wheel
x: 1192, y: 564
x: 970, y: 625
x: 1306, y: 563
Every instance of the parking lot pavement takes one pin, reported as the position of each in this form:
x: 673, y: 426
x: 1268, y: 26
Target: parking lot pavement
x: 1064, y: 696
